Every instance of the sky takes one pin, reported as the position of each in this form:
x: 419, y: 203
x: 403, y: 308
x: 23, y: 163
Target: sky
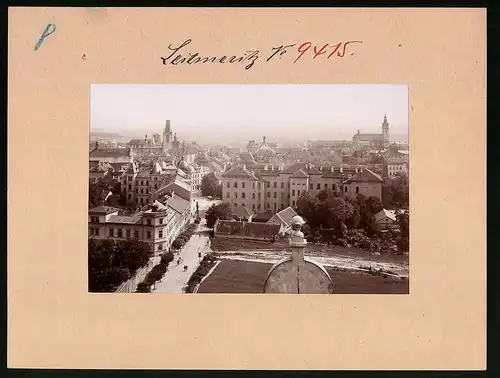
x: 235, y: 114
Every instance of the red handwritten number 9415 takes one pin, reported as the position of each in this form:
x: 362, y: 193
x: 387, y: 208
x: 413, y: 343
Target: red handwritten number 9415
x: 340, y: 48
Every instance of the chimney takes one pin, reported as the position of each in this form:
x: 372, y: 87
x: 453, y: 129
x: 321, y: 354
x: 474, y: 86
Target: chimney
x: 332, y: 168
x: 341, y: 170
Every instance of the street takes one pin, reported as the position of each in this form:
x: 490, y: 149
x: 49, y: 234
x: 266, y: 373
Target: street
x: 175, y: 280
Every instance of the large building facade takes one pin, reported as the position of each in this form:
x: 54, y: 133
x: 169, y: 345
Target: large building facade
x: 276, y: 187
x: 157, y: 226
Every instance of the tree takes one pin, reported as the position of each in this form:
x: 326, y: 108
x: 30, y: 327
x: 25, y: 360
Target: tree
x: 110, y: 264
x: 403, y: 221
x: 221, y: 211
x: 210, y: 186
x: 325, y: 194
x: 335, y: 212
x: 308, y: 207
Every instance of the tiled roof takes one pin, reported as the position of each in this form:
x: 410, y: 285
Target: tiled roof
x: 181, y: 189
x: 179, y: 204
x: 241, y: 212
x: 109, y: 152
x: 365, y: 176
x: 286, y: 215
x: 125, y: 219
x: 239, y: 172
x: 306, y: 167
x: 391, y: 214
x: 299, y: 174
x: 249, y: 229
x: 369, y: 136
x: 103, y: 209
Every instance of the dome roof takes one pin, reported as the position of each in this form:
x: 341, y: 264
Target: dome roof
x: 264, y: 149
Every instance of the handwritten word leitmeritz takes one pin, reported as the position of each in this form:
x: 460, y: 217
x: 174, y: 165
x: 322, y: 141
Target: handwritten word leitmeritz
x: 180, y: 55
x: 48, y: 31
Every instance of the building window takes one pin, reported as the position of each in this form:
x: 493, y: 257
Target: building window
x: 319, y: 186
x: 259, y: 196
x: 293, y: 192
x: 149, y: 222
x: 161, y: 220
x: 326, y: 186
x: 160, y: 233
x: 282, y: 185
x: 141, y: 191
x: 268, y: 184
x: 156, y: 187
x: 258, y: 206
x: 275, y: 195
x: 345, y: 189
x: 91, y: 231
x: 310, y: 186
x: 147, y: 191
x: 357, y: 189
x: 120, y: 233
x: 333, y: 187
x: 228, y: 184
x: 236, y: 195
x: 293, y: 203
x: 275, y: 185
x: 235, y: 184
x: 268, y: 194
x: 128, y: 233
x: 160, y: 247
x: 111, y: 232
x: 253, y: 206
x: 259, y: 185
x: 282, y: 206
x: 253, y: 185
x: 136, y: 234
x: 129, y: 187
x: 228, y: 195
x: 243, y: 195
x: 268, y: 205
x: 129, y: 178
x: 149, y: 234
x: 282, y: 195
x: 253, y: 195
x: 243, y: 185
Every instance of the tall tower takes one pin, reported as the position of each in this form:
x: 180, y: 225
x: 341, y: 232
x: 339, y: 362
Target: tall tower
x: 385, y: 132
x: 167, y: 137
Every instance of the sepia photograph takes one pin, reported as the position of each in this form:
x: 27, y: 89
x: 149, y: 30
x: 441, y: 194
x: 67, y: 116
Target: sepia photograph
x: 298, y: 189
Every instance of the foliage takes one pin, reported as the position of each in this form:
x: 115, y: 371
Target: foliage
x: 205, y: 265
x: 184, y: 236
x: 156, y: 274
x: 110, y: 264
x: 396, y: 192
x: 403, y: 240
x: 210, y: 186
x: 221, y: 211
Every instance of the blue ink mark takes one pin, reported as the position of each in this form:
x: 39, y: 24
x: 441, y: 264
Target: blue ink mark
x: 45, y: 34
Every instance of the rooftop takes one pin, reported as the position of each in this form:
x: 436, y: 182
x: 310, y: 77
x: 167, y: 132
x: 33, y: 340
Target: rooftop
x: 251, y: 229
x: 103, y: 209
x: 365, y: 175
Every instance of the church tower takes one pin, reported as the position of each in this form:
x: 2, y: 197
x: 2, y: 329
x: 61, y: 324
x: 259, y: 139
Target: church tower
x: 385, y: 132
x: 167, y: 138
